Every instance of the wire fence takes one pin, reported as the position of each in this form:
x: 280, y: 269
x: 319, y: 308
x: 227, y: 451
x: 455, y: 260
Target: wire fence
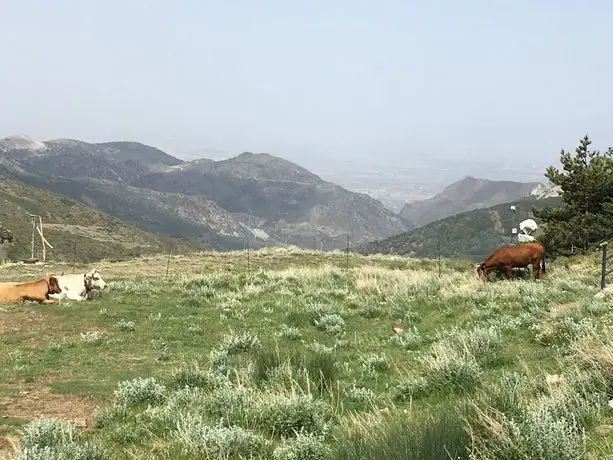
x: 79, y: 252
x: 169, y: 262
x: 79, y: 256
x: 172, y: 262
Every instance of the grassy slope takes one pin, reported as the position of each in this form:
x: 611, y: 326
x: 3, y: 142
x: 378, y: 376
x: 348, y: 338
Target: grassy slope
x: 68, y: 223
x: 463, y: 341
x: 471, y: 234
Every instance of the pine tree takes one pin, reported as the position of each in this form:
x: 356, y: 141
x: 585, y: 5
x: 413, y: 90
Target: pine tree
x: 586, y: 216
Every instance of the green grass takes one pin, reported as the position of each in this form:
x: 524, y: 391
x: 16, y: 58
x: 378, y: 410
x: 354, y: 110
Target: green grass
x: 297, y: 359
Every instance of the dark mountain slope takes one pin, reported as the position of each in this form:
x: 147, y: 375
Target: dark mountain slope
x: 465, y: 195
x: 175, y: 215
x: 288, y: 202
x: 69, y: 225
x: 472, y: 234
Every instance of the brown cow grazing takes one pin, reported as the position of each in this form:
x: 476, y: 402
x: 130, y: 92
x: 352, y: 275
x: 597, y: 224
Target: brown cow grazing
x: 508, y: 257
x: 37, y: 291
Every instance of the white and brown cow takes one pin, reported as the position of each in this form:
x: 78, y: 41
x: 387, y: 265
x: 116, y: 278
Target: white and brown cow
x: 79, y: 287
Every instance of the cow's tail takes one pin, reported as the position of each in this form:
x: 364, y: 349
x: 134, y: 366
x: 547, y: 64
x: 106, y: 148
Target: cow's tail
x: 544, y: 252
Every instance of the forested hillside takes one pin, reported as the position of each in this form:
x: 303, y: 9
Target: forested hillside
x: 472, y: 234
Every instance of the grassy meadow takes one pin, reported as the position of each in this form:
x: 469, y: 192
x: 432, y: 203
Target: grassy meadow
x: 296, y: 358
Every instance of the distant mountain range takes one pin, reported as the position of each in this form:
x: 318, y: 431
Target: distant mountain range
x: 222, y: 204
x: 465, y: 195
x: 470, y: 234
x: 255, y: 199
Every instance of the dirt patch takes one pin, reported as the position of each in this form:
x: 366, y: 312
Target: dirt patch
x: 8, y: 447
x: 41, y: 402
x: 33, y: 343
x: 18, y: 320
x: 49, y: 377
x: 560, y: 309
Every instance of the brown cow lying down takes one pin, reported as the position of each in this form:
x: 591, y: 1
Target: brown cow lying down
x: 38, y: 290
x: 508, y: 257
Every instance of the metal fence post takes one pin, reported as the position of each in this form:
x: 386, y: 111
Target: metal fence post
x: 603, y: 265
x: 347, y: 257
x: 439, y: 254
x: 168, y: 260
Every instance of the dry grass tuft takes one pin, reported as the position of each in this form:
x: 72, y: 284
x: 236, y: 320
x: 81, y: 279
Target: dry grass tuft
x: 383, y: 281
x: 595, y: 350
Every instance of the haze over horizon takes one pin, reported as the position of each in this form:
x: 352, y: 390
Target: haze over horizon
x: 341, y: 81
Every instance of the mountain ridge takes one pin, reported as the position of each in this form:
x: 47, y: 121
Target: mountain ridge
x: 471, y: 234
x: 464, y: 195
x: 284, y: 202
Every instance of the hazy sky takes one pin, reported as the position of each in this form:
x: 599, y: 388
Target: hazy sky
x: 318, y: 77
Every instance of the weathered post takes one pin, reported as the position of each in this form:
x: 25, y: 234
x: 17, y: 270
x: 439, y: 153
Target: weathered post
x: 249, y: 246
x: 347, y: 257
x: 33, y: 232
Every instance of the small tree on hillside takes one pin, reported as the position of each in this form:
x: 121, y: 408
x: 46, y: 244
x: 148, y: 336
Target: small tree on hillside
x: 586, y: 216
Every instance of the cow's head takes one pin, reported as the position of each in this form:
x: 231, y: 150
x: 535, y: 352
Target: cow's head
x: 53, y: 284
x: 93, y: 280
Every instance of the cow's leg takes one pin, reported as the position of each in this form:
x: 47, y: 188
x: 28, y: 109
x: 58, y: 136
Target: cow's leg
x: 508, y: 271
x: 48, y: 301
x: 536, y: 269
